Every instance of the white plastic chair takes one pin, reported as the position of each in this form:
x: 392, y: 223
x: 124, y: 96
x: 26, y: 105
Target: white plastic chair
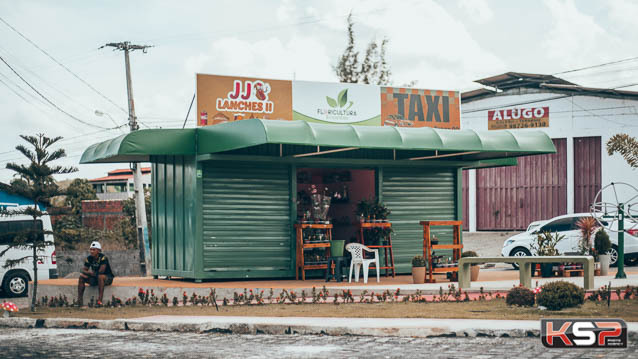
x: 356, y: 250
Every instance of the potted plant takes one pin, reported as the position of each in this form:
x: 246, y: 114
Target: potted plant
x: 545, y: 245
x: 474, y: 268
x: 602, y: 245
x: 374, y: 211
x: 418, y: 270
x: 587, y: 227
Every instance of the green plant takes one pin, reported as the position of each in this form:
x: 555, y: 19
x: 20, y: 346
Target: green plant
x: 545, y: 244
x: 418, y: 261
x: 520, y: 296
x: 602, y: 244
x: 587, y: 226
x: 559, y: 295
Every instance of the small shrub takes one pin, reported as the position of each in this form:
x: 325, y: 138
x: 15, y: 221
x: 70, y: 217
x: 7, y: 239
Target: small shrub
x: 520, y: 296
x: 418, y: 261
x: 559, y: 295
x: 469, y: 254
x: 602, y: 244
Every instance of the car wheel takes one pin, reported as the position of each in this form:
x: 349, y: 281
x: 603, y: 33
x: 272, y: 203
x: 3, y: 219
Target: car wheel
x: 631, y: 261
x: 15, y: 284
x: 519, y: 252
x: 613, y: 256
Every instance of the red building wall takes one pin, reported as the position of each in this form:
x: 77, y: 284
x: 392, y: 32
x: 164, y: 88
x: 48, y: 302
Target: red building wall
x: 102, y: 214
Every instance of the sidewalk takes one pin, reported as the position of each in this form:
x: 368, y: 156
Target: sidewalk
x: 401, y: 327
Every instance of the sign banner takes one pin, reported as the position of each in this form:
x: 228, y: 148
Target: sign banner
x: 223, y: 99
x: 518, y: 118
x: 407, y: 107
x: 342, y: 103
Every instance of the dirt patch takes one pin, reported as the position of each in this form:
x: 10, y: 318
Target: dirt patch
x: 493, y: 309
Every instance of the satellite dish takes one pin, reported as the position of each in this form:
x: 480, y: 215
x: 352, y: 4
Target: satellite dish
x: 610, y: 211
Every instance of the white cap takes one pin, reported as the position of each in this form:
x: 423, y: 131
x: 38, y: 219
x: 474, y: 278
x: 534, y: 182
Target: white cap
x: 96, y: 245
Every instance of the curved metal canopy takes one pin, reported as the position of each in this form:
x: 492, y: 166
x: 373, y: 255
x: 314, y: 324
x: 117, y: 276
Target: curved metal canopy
x: 472, y: 145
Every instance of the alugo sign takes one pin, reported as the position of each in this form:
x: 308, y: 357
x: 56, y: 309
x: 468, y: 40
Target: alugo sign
x: 518, y: 118
x: 223, y: 99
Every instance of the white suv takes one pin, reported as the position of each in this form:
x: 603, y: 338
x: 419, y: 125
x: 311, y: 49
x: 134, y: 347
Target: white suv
x: 520, y: 244
x: 15, y: 280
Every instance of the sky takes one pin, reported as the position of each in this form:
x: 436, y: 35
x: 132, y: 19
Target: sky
x: 440, y: 44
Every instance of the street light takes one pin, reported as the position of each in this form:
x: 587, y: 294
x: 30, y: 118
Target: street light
x: 100, y: 114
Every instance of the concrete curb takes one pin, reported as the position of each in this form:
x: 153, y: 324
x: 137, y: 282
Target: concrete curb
x: 256, y: 327
x: 378, y: 327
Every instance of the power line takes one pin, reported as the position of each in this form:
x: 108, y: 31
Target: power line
x: 46, y: 99
x: 595, y: 66
x: 63, y: 66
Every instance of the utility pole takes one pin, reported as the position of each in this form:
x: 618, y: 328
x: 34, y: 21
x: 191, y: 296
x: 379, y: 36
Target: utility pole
x: 140, y: 205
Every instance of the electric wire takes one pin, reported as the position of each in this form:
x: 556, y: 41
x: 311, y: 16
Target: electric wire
x: 596, y: 66
x: 63, y: 66
x: 46, y: 99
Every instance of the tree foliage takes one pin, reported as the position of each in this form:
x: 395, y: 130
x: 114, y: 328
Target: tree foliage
x: 34, y: 181
x: 374, y: 69
x: 626, y: 145
x: 79, y: 190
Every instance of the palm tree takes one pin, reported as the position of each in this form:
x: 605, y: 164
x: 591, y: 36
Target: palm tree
x: 35, y: 182
x: 626, y: 145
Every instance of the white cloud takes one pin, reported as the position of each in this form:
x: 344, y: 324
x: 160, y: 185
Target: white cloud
x: 577, y: 39
x: 303, y: 57
x: 478, y: 10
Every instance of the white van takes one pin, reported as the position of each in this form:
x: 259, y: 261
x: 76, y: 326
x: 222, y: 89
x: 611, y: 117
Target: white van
x: 15, y: 280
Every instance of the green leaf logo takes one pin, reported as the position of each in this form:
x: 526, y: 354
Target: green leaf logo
x: 343, y: 97
x: 342, y: 100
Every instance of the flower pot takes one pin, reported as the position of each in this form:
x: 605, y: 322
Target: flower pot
x: 418, y: 275
x: 336, y: 247
x: 547, y: 270
x: 604, y: 263
x: 474, y: 273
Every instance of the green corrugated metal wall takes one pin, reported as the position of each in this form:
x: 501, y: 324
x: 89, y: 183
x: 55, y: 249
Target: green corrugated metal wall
x: 246, y: 220
x: 174, y: 215
x: 414, y: 195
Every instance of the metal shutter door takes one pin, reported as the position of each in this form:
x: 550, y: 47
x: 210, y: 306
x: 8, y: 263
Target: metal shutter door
x: 415, y: 195
x: 246, y: 219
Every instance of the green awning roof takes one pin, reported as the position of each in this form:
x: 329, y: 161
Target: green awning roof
x: 138, y: 146
x: 430, y: 143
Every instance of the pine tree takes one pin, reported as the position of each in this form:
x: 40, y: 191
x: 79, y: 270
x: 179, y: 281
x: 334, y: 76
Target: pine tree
x: 374, y: 69
x: 35, y: 182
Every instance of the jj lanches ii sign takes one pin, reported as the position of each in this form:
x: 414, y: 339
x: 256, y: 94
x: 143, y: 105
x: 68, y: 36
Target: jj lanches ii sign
x: 518, y: 118
x: 222, y: 99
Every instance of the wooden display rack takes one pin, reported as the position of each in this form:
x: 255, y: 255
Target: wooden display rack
x: 300, y: 265
x: 428, y: 247
x: 389, y: 265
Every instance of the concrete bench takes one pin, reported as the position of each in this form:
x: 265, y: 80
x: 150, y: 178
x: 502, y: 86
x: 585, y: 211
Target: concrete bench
x: 525, y: 267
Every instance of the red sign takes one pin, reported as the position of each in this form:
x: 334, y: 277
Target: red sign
x: 514, y: 118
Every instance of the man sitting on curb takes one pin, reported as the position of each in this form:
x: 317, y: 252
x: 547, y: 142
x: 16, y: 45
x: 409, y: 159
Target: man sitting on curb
x: 96, y: 272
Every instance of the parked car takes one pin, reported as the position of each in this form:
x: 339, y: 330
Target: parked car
x: 15, y: 280
x: 520, y: 244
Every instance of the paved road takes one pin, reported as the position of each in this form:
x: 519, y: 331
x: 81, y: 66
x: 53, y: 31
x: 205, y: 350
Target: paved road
x: 69, y: 343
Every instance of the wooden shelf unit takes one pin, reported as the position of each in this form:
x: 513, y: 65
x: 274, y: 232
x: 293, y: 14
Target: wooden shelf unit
x: 389, y: 265
x: 300, y: 265
x: 428, y: 247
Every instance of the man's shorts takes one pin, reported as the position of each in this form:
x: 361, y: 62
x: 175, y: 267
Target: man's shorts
x: 93, y: 281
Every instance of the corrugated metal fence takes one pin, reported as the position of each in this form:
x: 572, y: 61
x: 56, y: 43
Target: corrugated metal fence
x: 587, y: 171
x: 509, y: 198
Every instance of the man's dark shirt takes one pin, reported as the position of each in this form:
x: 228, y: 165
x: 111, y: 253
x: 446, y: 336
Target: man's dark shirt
x: 95, y: 263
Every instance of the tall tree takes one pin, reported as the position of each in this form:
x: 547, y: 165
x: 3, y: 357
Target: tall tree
x: 626, y: 145
x: 79, y: 190
x: 374, y: 69
x: 35, y: 182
